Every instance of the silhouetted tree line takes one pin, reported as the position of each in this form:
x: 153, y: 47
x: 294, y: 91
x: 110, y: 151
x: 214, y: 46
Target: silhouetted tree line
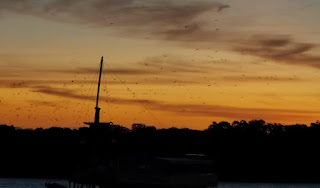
x: 244, y: 151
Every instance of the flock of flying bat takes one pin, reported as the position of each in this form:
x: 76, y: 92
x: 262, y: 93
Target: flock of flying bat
x: 34, y: 106
x: 77, y: 108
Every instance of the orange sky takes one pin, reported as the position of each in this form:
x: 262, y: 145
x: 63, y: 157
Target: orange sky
x: 186, y: 63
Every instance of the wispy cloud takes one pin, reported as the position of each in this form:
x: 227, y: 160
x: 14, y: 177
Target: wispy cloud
x: 67, y: 93
x: 280, y: 49
x: 151, y: 16
x: 261, y: 78
x: 237, y: 112
x: 162, y: 69
x: 54, y: 104
x: 223, y: 7
x: 156, y: 65
x: 194, y: 109
x: 166, y: 64
x: 87, y: 70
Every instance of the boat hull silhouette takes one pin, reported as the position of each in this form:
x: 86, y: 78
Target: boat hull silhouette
x: 110, y: 166
x: 156, y: 172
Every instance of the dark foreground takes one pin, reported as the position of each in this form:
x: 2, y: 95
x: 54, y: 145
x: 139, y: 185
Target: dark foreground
x: 245, y: 152
x: 39, y: 183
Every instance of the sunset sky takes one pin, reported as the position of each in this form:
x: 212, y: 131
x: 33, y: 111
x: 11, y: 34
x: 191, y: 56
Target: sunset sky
x: 168, y: 63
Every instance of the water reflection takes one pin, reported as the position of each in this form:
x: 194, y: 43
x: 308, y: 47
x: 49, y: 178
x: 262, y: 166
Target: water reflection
x: 266, y: 185
x: 39, y: 183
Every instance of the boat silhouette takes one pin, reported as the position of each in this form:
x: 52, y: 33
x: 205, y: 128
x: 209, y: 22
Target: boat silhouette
x: 109, y: 166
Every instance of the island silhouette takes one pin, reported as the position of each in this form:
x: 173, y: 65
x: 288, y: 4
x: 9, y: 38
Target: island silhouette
x: 243, y: 151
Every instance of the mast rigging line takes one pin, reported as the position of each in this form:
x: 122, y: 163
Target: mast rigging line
x: 87, y: 96
x: 133, y: 94
x: 104, y: 79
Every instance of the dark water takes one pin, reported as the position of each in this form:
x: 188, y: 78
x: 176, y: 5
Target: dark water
x: 39, y: 183
x: 266, y: 185
x: 28, y: 183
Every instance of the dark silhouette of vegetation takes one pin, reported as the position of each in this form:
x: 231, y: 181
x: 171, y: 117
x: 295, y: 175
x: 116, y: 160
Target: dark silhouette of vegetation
x: 244, y: 151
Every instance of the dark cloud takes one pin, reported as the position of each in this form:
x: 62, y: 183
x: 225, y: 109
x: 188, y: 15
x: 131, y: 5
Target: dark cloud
x: 163, y: 69
x: 152, y: 14
x: 118, y: 71
x: 157, y: 65
x: 281, y: 49
x: 193, y: 109
x: 48, y: 103
x: 274, y: 42
x: 59, y: 92
x: 30, y: 84
x: 260, y: 78
x: 180, y: 33
x: 236, y: 112
x: 13, y: 84
x: 173, y: 64
x: 194, y: 32
x: 223, y: 7
x: 71, y: 94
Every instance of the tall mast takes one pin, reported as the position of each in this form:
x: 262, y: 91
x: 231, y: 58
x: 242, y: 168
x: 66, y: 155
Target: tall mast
x: 97, y: 115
